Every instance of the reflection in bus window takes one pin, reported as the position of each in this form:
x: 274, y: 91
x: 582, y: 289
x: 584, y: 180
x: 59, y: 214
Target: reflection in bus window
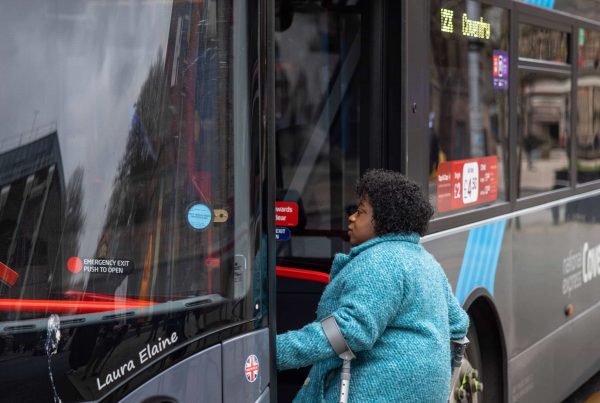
x: 583, y: 8
x: 318, y: 56
x: 543, y: 43
x: 588, y: 107
x: 543, y: 133
x: 129, y: 187
x: 468, y: 117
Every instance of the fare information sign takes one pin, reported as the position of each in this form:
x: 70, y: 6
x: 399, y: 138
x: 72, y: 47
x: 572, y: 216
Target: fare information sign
x: 464, y: 183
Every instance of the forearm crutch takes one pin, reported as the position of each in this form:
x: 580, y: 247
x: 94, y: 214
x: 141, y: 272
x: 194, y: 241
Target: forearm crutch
x: 458, y: 352
x: 341, y: 348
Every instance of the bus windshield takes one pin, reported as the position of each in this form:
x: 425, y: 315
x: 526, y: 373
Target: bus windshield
x: 128, y: 193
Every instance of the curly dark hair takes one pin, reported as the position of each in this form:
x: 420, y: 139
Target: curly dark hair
x: 398, y: 204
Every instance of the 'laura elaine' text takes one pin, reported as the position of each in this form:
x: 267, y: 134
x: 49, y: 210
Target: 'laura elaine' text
x: 145, y: 354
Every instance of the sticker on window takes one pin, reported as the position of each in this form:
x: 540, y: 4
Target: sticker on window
x: 199, y: 216
x: 464, y: 183
x: 500, y: 69
x: 76, y: 264
x: 286, y: 214
x: 282, y: 234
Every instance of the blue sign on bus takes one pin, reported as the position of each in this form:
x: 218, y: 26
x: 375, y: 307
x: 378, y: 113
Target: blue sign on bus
x: 541, y: 3
x: 282, y: 234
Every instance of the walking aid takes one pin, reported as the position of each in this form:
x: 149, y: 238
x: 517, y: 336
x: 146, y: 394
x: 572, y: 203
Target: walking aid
x: 458, y: 352
x: 340, y: 346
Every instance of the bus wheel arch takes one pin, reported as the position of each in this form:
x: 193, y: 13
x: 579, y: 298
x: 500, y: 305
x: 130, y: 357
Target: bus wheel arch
x: 488, y: 344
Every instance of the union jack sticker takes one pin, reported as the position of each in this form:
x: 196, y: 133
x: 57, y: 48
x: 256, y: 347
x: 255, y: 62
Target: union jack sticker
x: 251, y: 368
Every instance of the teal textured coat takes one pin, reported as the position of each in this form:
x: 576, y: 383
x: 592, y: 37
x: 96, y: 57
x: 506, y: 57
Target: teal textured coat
x: 394, y: 305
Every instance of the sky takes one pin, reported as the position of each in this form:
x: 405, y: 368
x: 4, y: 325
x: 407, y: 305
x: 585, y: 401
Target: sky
x: 79, y: 65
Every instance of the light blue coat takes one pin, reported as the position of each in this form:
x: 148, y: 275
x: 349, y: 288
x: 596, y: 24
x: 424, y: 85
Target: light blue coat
x: 394, y: 305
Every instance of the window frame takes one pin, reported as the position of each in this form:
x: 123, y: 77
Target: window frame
x: 416, y: 44
x: 542, y: 18
x: 586, y: 25
x: 477, y: 213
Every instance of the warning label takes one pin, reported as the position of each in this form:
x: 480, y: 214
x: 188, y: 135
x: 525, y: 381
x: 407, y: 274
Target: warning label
x: 77, y: 264
x: 286, y: 214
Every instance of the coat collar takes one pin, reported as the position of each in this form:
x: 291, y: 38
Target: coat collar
x: 342, y: 259
x: 412, y: 237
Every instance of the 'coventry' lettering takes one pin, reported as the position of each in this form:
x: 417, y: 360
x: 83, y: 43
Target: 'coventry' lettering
x: 591, y: 262
x: 580, y: 268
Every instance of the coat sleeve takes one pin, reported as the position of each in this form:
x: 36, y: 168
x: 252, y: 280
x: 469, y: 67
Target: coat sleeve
x: 303, y: 347
x: 371, y: 299
x: 457, y: 317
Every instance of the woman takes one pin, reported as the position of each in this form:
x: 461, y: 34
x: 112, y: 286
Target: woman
x: 391, y: 301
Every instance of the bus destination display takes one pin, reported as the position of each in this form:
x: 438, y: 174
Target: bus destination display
x: 472, y: 28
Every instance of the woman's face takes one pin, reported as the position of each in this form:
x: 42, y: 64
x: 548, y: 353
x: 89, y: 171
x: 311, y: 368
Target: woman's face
x: 361, y: 227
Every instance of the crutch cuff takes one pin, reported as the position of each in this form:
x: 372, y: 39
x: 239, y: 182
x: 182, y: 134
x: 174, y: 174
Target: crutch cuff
x: 336, y: 339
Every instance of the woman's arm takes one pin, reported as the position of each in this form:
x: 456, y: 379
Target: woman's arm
x: 303, y: 347
x: 370, y: 300
x: 457, y: 317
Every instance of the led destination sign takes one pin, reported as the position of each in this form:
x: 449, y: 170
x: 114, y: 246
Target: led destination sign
x: 471, y: 28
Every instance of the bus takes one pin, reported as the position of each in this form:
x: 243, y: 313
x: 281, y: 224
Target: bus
x: 176, y: 178
x: 134, y: 252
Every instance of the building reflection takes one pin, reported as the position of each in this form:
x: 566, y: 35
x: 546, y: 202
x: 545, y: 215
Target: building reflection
x: 31, y: 208
x: 180, y: 150
x: 544, y: 120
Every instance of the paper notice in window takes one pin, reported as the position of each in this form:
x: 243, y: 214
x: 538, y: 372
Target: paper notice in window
x: 464, y: 183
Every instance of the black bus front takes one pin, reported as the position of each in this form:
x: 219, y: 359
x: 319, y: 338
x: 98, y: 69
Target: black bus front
x: 133, y: 228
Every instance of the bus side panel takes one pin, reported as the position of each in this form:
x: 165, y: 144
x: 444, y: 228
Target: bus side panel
x: 240, y: 365
x: 557, y: 365
x: 246, y: 367
x: 479, y: 258
x: 543, y: 272
x: 195, y: 379
x: 556, y: 279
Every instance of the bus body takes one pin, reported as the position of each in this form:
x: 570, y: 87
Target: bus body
x: 490, y: 106
x: 162, y: 161
x: 134, y: 243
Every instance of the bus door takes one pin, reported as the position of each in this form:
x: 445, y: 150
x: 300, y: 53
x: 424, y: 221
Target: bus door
x: 133, y: 233
x: 323, y: 140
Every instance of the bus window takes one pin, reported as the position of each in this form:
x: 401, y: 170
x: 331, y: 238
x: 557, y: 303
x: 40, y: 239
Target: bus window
x: 468, y: 119
x: 543, y: 43
x: 318, y: 124
x: 130, y: 200
x: 588, y: 106
x: 543, y: 132
x: 318, y: 57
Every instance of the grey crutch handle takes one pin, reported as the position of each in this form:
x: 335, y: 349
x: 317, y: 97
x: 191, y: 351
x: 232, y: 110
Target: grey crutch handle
x: 341, y: 348
x: 458, y: 352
